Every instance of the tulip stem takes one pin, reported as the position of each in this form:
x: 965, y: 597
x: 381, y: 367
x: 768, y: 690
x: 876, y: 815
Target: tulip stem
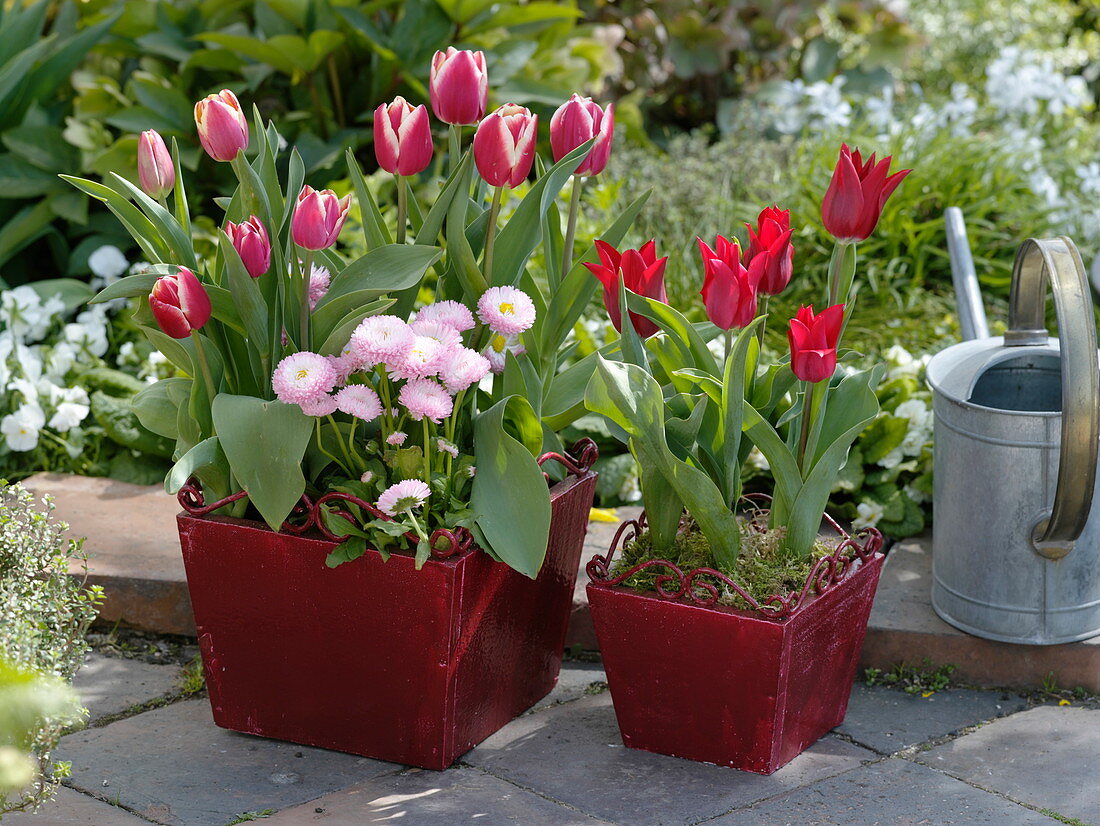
x: 842, y: 272
x: 204, y: 365
x: 307, y: 271
x: 807, y: 422
x: 402, y: 206
x: 571, y: 226
x: 764, y: 323
x: 455, y: 145
x: 491, y: 234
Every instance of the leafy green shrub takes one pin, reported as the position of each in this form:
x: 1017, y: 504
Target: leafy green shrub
x: 44, y: 613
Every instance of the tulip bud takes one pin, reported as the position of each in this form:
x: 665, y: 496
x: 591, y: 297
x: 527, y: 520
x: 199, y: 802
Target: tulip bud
x: 223, y: 129
x: 504, y: 145
x: 813, y: 340
x: 458, y: 86
x: 641, y: 271
x: 179, y: 303
x: 729, y: 288
x: 251, y: 242
x: 318, y: 218
x: 771, y: 253
x: 402, y: 137
x: 579, y: 120
x: 156, y: 174
x: 857, y: 194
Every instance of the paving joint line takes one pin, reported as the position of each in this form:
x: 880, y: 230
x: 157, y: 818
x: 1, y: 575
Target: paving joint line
x: 532, y: 790
x: 994, y: 792
x: 113, y: 803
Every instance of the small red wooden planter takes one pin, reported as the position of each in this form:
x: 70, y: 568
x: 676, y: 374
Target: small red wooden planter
x: 376, y: 658
x: 747, y: 689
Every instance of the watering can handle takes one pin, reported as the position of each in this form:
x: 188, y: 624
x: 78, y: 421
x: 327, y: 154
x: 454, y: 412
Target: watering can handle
x: 1059, y: 260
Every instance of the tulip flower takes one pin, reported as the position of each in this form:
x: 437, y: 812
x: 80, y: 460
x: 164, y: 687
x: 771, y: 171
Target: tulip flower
x: 504, y: 145
x: 813, y: 340
x: 251, y: 242
x: 402, y: 137
x: 223, y: 129
x: 856, y: 195
x: 579, y: 120
x: 729, y: 288
x: 318, y: 218
x: 156, y: 174
x: 179, y: 303
x: 458, y: 86
x: 771, y: 254
x: 640, y: 270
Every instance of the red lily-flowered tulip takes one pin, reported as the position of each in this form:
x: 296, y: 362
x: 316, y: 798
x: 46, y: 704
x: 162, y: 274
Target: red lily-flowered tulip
x: 771, y: 254
x: 318, y: 218
x: 857, y: 194
x: 179, y: 303
x: 251, y: 242
x: 642, y: 272
x: 402, y: 137
x: 579, y: 120
x: 458, y: 86
x: 156, y: 174
x: 729, y: 288
x: 222, y: 126
x: 504, y: 145
x: 813, y: 341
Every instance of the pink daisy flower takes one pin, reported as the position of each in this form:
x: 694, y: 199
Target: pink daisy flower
x: 319, y: 280
x: 506, y: 310
x: 464, y: 368
x: 448, y: 336
x: 367, y: 477
x: 443, y: 446
x: 404, y: 496
x: 397, y: 438
x: 498, y: 350
x: 359, y: 401
x: 452, y: 313
x: 420, y: 361
x: 426, y: 399
x: 381, y: 338
x: 303, y: 377
x: 322, y: 406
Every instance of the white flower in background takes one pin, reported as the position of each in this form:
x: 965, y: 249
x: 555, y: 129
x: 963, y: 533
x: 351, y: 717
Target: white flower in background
x: 1088, y: 178
x: 870, y: 514
x: 630, y: 490
x: 961, y: 110
x: 892, y: 459
x: 918, y: 496
x: 108, y: 263
x: 71, y: 407
x: 21, y: 428
x: 89, y: 331
x: 757, y: 459
x: 27, y: 317
x: 60, y: 361
x: 916, y: 411
x: 899, y: 358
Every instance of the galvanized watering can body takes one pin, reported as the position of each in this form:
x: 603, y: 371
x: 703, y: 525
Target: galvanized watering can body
x: 1016, y: 529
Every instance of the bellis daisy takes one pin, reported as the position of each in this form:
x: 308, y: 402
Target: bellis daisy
x: 498, y: 350
x: 506, y: 310
x: 319, y: 280
x: 321, y: 406
x: 464, y: 368
x: 452, y: 313
x: 448, y: 336
x: 359, y: 401
x: 404, y: 496
x: 303, y: 377
x: 426, y: 399
x: 443, y: 446
x: 397, y: 438
x: 381, y: 338
x: 420, y: 361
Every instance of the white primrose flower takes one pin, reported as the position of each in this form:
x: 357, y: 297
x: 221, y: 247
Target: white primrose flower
x: 21, y: 428
x: 71, y: 407
x: 108, y: 263
x: 870, y: 514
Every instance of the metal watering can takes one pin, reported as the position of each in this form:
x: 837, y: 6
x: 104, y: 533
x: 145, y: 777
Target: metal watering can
x: 1017, y: 430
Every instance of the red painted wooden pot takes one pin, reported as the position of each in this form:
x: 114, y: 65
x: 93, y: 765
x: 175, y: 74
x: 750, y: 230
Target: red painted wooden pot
x: 749, y: 689
x: 376, y: 658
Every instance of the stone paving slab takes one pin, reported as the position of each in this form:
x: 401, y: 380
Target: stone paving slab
x: 904, y: 628
x: 573, y: 754
x: 426, y: 798
x: 891, y: 793
x: 174, y: 766
x: 888, y: 720
x: 110, y: 685
x: 576, y: 680
x: 133, y: 548
x: 1048, y: 757
x: 71, y: 808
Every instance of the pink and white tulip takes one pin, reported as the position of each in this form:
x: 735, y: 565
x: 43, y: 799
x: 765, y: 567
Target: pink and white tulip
x: 180, y: 303
x: 156, y: 174
x: 402, y: 137
x: 459, y: 86
x: 250, y: 240
x: 504, y: 145
x: 318, y: 218
x: 579, y: 120
x: 222, y: 126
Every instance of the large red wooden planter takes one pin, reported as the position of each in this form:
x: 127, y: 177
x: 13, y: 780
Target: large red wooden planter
x: 376, y: 658
x: 749, y: 689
